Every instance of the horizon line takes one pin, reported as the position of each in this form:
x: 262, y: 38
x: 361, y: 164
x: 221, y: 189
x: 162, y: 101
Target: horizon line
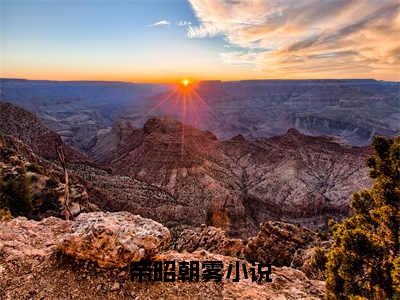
x: 199, y: 80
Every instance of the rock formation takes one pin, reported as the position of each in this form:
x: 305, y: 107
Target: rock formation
x: 191, y: 166
x: 114, y: 239
x: 27, y: 128
x: 278, y: 243
x: 209, y: 238
x: 297, y: 177
x: 238, y: 183
x: 31, y: 267
x: 184, y: 177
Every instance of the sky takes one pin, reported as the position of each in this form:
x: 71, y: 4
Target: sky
x: 167, y: 40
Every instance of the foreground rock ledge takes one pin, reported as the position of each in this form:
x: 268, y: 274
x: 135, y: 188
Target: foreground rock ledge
x: 30, y: 270
x: 114, y: 239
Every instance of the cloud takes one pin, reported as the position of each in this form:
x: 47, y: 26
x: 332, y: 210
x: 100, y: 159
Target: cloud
x: 239, y: 58
x: 184, y: 23
x: 160, y: 23
x: 336, y: 38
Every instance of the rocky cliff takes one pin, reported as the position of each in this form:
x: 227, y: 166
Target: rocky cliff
x: 238, y: 183
x: 26, y: 127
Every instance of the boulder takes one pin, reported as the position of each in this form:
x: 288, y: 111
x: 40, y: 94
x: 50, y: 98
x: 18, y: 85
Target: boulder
x: 278, y: 242
x: 114, y: 239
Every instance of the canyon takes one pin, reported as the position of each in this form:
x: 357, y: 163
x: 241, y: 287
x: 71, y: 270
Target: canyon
x: 255, y: 171
x: 352, y: 111
x: 183, y: 177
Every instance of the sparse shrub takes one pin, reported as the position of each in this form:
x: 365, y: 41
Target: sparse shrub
x: 34, y: 167
x: 17, y: 197
x: 396, y: 275
x: 5, y: 153
x: 34, y: 178
x: 15, y: 194
x: 51, y: 183
x: 5, y: 214
x: 50, y: 201
x: 318, y: 261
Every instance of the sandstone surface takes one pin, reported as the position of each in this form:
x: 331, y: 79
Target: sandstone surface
x: 114, y: 239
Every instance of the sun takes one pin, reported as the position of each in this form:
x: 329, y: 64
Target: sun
x: 185, y: 82
x: 184, y: 102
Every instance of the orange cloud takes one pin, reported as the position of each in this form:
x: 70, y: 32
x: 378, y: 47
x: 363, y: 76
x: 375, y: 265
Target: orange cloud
x: 306, y: 38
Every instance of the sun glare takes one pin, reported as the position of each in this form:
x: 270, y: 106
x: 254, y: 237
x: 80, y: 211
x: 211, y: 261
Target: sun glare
x: 185, y: 102
x: 185, y: 82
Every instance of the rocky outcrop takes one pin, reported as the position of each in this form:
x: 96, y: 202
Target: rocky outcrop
x: 189, y: 165
x: 110, y: 143
x: 297, y: 178
x: 30, y: 267
x: 209, y: 238
x: 239, y: 183
x: 26, y: 127
x: 287, y: 283
x: 279, y: 243
x: 124, y: 193
x: 22, y: 239
x: 114, y: 239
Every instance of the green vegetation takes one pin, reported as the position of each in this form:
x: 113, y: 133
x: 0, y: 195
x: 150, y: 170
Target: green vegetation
x: 15, y: 193
x: 364, y: 261
x: 5, y: 214
x: 21, y: 193
x: 34, y: 167
x: 51, y: 182
x: 318, y: 261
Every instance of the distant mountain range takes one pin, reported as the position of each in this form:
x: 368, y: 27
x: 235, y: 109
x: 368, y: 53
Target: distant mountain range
x: 352, y: 111
x: 75, y: 110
